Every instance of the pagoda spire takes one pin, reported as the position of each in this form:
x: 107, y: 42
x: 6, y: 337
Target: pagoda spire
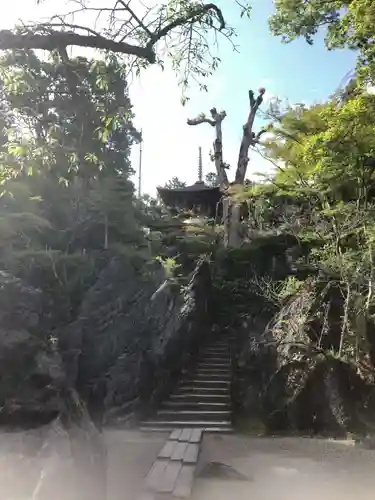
x: 200, y: 167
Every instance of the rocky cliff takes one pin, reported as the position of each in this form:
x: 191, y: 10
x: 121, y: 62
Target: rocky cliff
x: 289, y: 371
x: 30, y: 371
x: 135, y: 332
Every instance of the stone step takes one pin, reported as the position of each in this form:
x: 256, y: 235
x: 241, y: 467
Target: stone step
x: 206, y: 377
x: 222, y: 356
x: 193, y: 389
x: 218, y: 349
x: 224, y: 367
x: 213, y: 352
x: 214, y: 364
x: 214, y: 373
x: 169, y: 425
x: 207, y: 397
x: 189, y: 415
x: 205, y: 382
x: 216, y: 359
x: 196, y: 405
x: 201, y: 378
x: 202, y: 398
x: 225, y: 371
x: 207, y: 368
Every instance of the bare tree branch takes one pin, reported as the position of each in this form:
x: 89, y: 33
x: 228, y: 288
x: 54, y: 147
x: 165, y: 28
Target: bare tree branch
x: 216, y: 122
x: 195, y: 12
x: 257, y: 150
x: 47, y: 27
x: 52, y: 39
x: 133, y: 14
x: 248, y: 136
x: 199, y: 120
x: 56, y: 39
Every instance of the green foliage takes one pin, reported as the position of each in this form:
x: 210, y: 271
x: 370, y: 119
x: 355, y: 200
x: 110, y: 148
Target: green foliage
x: 67, y: 204
x: 349, y: 23
x: 170, y: 266
x: 175, y: 183
x: 182, y: 32
x: 67, y: 118
x: 289, y: 287
x: 322, y: 193
x: 211, y: 179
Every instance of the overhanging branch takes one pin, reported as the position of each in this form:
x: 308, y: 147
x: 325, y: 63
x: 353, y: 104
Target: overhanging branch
x: 193, y: 13
x: 51, y: 39
x: 55, y: 39
x: 199, y: 120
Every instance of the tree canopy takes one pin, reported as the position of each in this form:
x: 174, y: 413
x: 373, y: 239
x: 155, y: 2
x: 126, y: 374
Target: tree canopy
x: 348, y: 23
x: 64, y: 168
x: 183, y: 31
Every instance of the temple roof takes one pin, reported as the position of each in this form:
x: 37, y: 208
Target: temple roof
x: 196, y: 187
x: 198, y: 194
x: 195, y: 195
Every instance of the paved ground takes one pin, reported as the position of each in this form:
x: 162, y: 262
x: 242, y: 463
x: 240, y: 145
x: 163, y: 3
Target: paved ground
x: 277, y: 469
x: 130, y: 457
x: 288, y: 469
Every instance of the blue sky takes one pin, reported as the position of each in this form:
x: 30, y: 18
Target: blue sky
x: 296, y: 71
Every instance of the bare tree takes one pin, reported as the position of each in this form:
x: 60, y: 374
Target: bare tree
x: 231, y: 209
x: 215, y: 121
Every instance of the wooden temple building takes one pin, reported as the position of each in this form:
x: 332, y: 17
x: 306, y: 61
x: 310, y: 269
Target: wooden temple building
x: 199, y: 198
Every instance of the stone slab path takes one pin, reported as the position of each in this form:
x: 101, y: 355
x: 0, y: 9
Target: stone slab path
x: 173, y: 471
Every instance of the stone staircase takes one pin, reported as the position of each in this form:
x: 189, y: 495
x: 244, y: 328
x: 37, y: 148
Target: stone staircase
x: 202, y: 397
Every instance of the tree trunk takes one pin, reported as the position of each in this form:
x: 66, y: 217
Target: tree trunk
x: 232, y: 209
x: 234, y: 237
x: 216, y: 122
x: 231, y: 216
x: 106, y: 232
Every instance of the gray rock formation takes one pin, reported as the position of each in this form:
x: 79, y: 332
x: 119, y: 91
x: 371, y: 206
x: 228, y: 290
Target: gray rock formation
x: 53, y: 461
x: 30, y: 371
x: 134, y: 334
x: 293, y: 380
x: 49, y: 447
